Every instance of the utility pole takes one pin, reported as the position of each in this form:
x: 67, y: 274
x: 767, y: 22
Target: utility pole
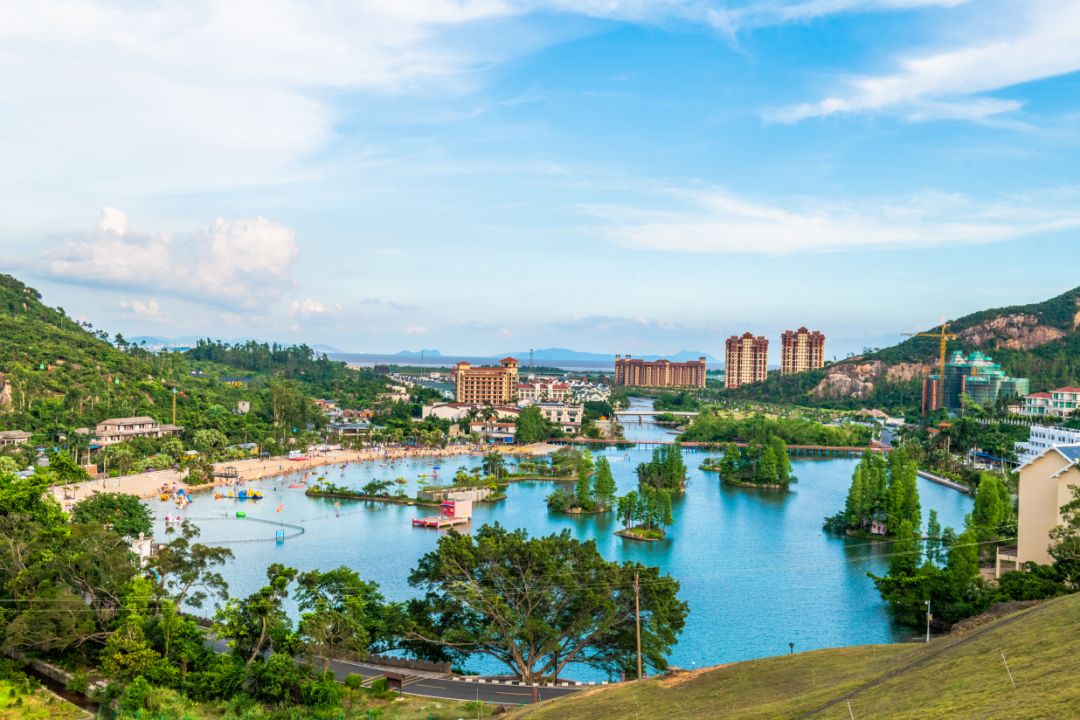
x: 174, y: 406
x: 637, y: 620
x: 928, y: 616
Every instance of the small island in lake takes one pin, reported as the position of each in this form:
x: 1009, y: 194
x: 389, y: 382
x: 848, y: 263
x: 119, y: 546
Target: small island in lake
x: 758, y: 465
x: 594, y: 492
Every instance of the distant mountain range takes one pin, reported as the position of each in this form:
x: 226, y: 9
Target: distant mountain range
x: 566, y: 354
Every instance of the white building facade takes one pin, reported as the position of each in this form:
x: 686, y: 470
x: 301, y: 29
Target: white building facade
x: 1041, y: 439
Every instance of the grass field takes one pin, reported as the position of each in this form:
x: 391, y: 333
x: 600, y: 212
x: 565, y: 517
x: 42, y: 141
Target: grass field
x: 18, y: 702
x: 960, y: 676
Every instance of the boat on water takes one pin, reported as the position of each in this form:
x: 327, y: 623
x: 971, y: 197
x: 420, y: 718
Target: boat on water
x: 246, y: 495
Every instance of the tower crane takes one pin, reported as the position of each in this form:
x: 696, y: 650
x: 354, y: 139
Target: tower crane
x: 944, y: 336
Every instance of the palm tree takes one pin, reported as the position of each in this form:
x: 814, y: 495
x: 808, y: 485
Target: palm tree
x: 494, y: 464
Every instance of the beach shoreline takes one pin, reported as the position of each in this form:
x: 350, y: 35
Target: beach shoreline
x: 149, y: 485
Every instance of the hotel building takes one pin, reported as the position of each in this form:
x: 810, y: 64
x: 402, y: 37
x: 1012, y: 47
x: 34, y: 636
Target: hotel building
x: 660, y: 373
x: 801, y: 350
x: 486, y: 385
x: 746, y: 360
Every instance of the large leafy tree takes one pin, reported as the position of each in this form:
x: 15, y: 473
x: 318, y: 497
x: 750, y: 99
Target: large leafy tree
x: 538, y: 604
x: 342, y: 614
x: 532, y: 426
x: 126, y: 514
x: 254, y: 624
x: 186, y: 570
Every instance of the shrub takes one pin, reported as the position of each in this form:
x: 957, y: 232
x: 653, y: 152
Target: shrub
x: 354, y: 681
x: 323, y: 692
x: 135, y: 695
x: 78, y: 683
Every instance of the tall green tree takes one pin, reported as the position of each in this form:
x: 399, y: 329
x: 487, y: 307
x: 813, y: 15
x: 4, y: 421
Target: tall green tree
x: 341, y: 614
x: 186, y: 571
x: 259, y: 622
x: 604, y: 487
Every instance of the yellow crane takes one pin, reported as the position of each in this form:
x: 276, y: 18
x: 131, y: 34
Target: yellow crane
x: 944, y: 336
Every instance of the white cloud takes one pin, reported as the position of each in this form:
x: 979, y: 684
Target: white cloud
x: 241, y: 264
x: 716, y: 221
x: 415, y: 330
x: 122, y: 98
x: 1041, y: 41
x: 149, y: 310
x: 309, y: 307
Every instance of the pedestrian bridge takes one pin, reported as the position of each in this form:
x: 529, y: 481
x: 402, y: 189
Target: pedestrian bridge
x: 651, y: 413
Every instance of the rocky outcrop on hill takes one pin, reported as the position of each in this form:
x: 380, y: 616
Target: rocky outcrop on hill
x: 856, y: 379
x: 1018, y: 331
x: 5, y: 394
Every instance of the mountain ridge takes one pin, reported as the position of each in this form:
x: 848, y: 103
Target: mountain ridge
x: 1039, y: 341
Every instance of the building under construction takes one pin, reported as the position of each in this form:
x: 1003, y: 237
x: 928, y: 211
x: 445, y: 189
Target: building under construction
x: 975, y: 378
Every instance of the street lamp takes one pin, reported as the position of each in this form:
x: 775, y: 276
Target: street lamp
x: 791, y: 645
x: 928, y: 617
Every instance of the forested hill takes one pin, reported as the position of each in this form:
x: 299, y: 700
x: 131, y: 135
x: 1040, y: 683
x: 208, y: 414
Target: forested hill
x: 1040, y: 341
x: 57, y: 375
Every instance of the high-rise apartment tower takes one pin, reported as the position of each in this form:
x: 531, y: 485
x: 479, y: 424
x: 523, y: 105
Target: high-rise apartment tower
x: 746, y: 360
x: 801, y: 350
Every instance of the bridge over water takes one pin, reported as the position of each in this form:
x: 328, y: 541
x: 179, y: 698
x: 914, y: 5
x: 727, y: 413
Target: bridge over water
x: 653, y: 413
x: 793, y: 450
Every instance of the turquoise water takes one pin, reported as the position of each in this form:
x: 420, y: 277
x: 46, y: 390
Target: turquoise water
x: 754, y: 566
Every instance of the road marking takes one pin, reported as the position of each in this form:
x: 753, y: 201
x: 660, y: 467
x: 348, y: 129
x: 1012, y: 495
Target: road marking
x: 500, y: 692
x: 435, y: 687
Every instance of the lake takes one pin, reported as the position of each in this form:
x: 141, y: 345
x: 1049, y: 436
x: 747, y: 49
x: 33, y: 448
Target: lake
x: 754, y: 566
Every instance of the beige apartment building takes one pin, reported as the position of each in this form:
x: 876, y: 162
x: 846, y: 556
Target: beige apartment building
x: 115, y: 430
x: 486, y: 385
x: 801, y: 350
x: 1046, y: 484
x: 746, y: 360
x: 632, y: 372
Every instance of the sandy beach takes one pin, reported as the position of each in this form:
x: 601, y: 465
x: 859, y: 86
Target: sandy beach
x: 149, y: 484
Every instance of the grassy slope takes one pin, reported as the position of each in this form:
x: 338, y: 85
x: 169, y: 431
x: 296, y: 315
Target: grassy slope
x: 954, y: 677
x: 37, y: 705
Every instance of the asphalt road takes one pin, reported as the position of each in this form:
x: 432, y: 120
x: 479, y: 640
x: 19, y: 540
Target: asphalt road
x: 438, y: 687
x: 451, y: 689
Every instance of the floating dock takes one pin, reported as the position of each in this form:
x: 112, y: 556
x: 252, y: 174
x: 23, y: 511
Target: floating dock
x: 451, y: 513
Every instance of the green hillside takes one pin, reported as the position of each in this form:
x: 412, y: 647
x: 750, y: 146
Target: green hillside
x: 1040, y: 341
x: 57, y: 375
x: 960, y: 676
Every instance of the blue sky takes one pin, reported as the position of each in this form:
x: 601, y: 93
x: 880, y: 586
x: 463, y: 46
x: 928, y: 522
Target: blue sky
x: 478, y: 177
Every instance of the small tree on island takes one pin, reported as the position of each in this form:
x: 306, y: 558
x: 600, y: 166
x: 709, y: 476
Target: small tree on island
x: 593, y: 492
x: 882, y: 495
x: 666, y: 470
x: 765, y: 464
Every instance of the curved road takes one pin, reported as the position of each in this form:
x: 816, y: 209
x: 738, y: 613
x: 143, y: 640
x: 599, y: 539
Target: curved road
x: 433, y: 686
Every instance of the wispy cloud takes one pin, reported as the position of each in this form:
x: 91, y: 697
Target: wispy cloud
x: 717, y: 221
x: 1041, y: 41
